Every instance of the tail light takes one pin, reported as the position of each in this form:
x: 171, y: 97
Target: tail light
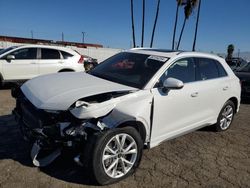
x: 81, y: 60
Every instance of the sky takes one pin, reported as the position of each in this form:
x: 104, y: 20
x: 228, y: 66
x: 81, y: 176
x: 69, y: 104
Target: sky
x: 108, y: 22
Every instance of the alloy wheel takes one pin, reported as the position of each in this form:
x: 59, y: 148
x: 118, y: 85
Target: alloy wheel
x: 226, y: 117
x: 119, y: 155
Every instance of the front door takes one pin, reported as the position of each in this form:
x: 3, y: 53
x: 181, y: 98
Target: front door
x: 23, y: 67
x: 176, y: 111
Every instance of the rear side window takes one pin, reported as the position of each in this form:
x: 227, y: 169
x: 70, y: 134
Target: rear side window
x: 50, y: 54
x: 25, y: 53
x: 66, y: 55
x: 221, y: 69
x: 207, y: 69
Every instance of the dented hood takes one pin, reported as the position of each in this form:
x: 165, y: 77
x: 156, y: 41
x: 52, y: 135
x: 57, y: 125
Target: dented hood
x: 59, y: 91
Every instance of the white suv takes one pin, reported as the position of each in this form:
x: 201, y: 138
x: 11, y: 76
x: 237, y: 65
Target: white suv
x: 134, y: 99
x: 20, y: 63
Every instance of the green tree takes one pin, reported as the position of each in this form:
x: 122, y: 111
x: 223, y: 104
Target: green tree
x: 188, y: 9
x: 196, y: 25
x: 156, y: 18
x: 132, y: 21
x: 179, y: 3
x: 143, y: 18
x: 230, y: 51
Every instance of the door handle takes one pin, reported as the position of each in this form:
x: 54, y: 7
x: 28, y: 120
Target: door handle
x: 195, y: 94
x: 225, y: 88
x: 33, y: 63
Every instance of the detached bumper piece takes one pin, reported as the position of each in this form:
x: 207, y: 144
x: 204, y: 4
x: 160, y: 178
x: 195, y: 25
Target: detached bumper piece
x: 42, y: 157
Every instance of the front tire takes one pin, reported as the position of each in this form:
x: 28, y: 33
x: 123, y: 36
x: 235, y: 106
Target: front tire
x: 225, y: 117
x: 117, y: 153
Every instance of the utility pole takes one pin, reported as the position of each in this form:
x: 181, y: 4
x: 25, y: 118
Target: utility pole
x: 62, y: 36
x: 83, y: 35
x: 31, y: 34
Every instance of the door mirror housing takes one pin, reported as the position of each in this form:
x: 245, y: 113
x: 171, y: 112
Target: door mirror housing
x: 10, y: 57
x: 172, y: 83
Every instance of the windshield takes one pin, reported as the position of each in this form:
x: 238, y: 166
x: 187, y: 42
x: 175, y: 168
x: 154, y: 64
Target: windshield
x: 130, y: 69
x: 245, y: 68
x: 7, y: 49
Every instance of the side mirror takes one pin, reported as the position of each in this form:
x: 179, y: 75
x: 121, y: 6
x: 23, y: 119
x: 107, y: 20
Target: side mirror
x: 10, y: 57
x: 172, y: 83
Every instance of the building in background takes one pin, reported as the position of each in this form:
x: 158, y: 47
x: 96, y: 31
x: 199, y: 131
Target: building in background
x: 96, y: 51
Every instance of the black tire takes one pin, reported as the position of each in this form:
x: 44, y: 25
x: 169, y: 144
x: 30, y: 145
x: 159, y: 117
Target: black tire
x: 231, y: 107
x: 97, y: 165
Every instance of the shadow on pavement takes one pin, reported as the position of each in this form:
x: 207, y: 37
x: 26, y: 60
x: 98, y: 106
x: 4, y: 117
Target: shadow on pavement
x: 208, y: 129
x: 6, y: 86
x: 12, y: 146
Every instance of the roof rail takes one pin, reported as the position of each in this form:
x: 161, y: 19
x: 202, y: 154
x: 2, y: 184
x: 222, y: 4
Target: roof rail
x: 157, y: 50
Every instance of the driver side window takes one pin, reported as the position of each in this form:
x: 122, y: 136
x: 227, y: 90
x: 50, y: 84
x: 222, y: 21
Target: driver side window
x: 25, y: 53
x: 183, y: 69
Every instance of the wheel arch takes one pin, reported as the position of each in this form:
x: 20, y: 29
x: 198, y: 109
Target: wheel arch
x: 66, y: 70
x: 235, y: 101
x: 1, y: 80
x: 139, y: 126
x: 1, y: 76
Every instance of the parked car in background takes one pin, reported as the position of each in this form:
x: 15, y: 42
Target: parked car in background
x: 89, y: 63
x: 235, y: 63
x: 20, y: 63
x: 243, y: 74
x: 133, y: 99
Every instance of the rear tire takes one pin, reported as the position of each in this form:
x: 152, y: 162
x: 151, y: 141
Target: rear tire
x: 225, y: 117
x: 116, y: 155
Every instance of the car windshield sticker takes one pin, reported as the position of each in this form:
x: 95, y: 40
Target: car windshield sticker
x: 158, y: 58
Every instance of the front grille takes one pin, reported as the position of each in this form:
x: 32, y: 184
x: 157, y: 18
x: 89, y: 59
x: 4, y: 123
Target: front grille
x: 29, y: 117
x: 32, y: 117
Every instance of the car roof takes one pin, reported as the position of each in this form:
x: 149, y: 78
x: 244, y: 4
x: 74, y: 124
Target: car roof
x: 171, y: 53
x: 47, y: 46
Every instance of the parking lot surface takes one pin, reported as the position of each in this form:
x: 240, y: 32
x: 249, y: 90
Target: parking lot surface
x: 203, y: 158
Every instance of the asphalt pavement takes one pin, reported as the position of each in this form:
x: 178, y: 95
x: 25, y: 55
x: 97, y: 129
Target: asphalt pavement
x: 203, y: 158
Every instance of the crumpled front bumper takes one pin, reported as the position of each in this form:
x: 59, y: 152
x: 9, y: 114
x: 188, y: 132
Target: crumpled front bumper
x: 48, y: 136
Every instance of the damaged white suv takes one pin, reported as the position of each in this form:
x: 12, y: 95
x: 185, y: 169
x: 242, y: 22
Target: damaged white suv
x: 136, y: 98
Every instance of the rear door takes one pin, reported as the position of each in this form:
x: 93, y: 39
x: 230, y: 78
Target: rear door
x: 23, y: 67
x: 214, y: 85
x: 51, y: 61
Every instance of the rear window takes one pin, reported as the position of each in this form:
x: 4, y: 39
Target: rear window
x: 50, y: 54
x: 221, y: 69
x: 66, y: 55
x: 207, y: 69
